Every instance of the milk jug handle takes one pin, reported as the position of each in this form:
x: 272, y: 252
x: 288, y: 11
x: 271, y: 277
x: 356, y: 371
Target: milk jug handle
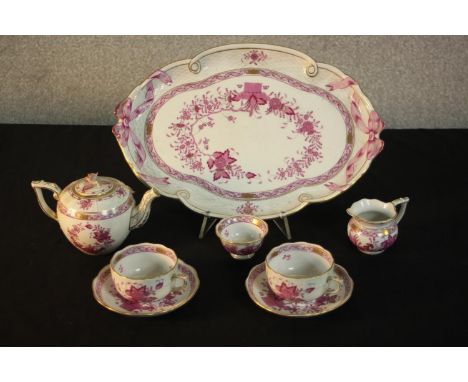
x: 38, y: 185
x: 401, y: 212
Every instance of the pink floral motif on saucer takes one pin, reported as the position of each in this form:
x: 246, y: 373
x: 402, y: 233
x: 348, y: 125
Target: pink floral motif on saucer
x: 261, y: 293
x: 105, y: 294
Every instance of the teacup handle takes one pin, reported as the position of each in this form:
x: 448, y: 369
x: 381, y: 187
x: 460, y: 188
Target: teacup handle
x: 338, y: 287
x: 179, y: 276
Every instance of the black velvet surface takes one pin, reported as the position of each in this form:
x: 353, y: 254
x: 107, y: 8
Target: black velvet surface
x: 414, y: 294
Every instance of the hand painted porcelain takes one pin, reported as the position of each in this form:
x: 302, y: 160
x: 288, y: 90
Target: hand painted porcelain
x: 374, y: 224
x: 242, y: 235
x: 105, y: 294
x: 248, y: 129
x: 261, y: 293
x: 145, y: 272
x: 301, y: 271
x: 95, y: 213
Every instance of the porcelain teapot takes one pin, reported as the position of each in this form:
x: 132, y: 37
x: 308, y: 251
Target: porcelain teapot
x: 374, y: 224
x: 96, y: 213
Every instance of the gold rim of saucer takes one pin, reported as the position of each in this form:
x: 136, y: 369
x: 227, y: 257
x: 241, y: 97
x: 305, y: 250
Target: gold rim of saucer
x: 319, y: 247
x: 143, y: 315
x: 307, y: 315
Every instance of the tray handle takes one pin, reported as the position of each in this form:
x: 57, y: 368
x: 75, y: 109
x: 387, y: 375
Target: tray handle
x: 311, y: 68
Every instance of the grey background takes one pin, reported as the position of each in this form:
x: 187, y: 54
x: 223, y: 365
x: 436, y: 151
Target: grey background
x: 412, y: 81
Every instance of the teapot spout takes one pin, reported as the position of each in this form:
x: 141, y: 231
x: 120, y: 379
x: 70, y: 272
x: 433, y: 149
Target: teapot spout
x: 141, y: 212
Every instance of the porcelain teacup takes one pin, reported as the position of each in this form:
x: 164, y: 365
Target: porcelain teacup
x: 301, y: 271
x: 242, y: 235
x: 145, y: 272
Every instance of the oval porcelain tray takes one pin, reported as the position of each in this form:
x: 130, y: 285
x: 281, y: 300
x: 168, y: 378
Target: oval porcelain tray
x: 254, y: 129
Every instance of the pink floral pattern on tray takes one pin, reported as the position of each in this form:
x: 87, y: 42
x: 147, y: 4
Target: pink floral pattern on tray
x: 247, y: 208
x: 254, y: 56
x: 259, y: 290
x: 220, y: 163
x: 107, y: 295
x: 198, y: 115
x: 257, y: 100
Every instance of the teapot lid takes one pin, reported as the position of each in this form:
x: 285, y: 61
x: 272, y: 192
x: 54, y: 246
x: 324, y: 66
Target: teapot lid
x: 94, y: 194
x: 94, y: 186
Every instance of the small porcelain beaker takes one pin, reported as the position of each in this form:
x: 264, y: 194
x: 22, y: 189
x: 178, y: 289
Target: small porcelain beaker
x: 242, y: 235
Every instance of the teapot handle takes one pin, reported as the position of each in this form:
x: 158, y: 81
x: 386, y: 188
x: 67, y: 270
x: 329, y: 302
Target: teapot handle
x: 403, y: 202
x: 38, y: 185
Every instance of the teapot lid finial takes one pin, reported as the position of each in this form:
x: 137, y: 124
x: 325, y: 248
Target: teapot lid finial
x: 94, y: 186
x: 90, y: 181
x: 92, y: 177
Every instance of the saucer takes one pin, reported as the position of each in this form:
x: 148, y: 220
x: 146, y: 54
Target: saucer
x: 105, y: 294
x: 261, y: 293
